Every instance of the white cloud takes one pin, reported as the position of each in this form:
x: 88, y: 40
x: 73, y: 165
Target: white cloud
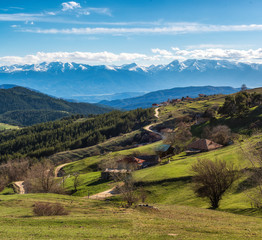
x: 70, y: 6
x: 20, y: 17
x: 161, y: 51
x: 158, y: 56
x: 51, y: 13
x: 251, y: 55
x: 175, y: 29
x: 80, y: 57
x: 105, y: 11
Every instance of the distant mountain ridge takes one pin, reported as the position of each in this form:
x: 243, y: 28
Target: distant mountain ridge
x: 22, y: 106
x: 148, y: 99
x: 70, y: 80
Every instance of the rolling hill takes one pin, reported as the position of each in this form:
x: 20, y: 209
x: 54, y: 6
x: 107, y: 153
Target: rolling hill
x: 23, y: 107
x: 148, y: 99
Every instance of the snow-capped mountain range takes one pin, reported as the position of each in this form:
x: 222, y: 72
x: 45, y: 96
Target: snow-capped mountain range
x: 188, y: 65
x: 74, y: 81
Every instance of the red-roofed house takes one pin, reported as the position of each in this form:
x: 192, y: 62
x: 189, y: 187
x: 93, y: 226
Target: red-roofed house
x: 202, y: 145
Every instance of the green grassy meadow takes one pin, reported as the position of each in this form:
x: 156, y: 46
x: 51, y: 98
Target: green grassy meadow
x: 178, y: 213
x: 89, y: 219
x: 4, y: 126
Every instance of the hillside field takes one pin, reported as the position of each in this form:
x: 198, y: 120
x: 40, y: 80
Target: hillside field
x: 89, y: 219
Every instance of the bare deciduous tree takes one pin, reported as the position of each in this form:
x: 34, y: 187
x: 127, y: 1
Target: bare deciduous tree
x: 126, y: 187
x: 220, y: 134
x: 15, y: 170
x: 212, y: 179
x: 76, y: 181
x: 41, y: 178
x: 180, y: 138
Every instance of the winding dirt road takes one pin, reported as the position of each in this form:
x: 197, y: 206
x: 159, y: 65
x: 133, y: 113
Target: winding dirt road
x: 157, y: 112
x: 58, y: 168
x: 148, y: 127
x: 103, y: 195
x: 99, y: 196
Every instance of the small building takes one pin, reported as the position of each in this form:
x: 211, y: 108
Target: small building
x: 164, y: 150
x: 134, y: 163
x: 173, y: 101
x: 188, y: 98
x: 202, y: 145
x: 110, y: 173
x: 155, y: 105
x: 202, y: 95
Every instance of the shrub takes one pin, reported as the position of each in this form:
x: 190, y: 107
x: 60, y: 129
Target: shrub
x: 41, y: 179
x: 49, y: 209
x: 220, y: 134
x: 212, y: 179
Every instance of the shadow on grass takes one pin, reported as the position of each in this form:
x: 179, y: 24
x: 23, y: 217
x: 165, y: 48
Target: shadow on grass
x: 251, y: 181
x: 27, y: 216
x: 186, y: 179
x: 253, y: 212
x: 99, y: 181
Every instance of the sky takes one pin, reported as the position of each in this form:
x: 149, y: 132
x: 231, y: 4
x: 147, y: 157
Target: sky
x: 116, y: 32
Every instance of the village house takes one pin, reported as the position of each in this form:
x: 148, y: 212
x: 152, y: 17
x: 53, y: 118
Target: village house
x: 110, y: 173
x: 155, y: 105
x: 128, y: 164
x: 134, y: 163
x: 164, y: 150
x: 202, y: 145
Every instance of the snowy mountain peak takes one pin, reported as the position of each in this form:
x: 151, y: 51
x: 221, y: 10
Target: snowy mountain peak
x: 201, y: 65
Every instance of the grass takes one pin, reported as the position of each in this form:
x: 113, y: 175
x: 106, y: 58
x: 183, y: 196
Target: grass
x: 4, y: 126
x: 180, y: 214
x: 89, y: 219
x: 89, y: 178
x: 171, y: 183
x: 109, y: 145
x: 167, y: 183
x: 91, y: 163
x: 89, y: 184
x: 179, y: 109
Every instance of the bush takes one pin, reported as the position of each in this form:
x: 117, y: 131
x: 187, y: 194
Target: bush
x: 212, y: 179
x: 41, y: 179
x: 49, y: 209
x: 220, y: 134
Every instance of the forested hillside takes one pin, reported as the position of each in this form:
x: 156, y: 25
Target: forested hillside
x: 70, y: 133
x: 24, y: 107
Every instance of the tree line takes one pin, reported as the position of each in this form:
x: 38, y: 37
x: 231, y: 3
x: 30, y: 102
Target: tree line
x: 69, y: 133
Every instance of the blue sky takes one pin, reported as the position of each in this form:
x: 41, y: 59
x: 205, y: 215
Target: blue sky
x: 124, y: 31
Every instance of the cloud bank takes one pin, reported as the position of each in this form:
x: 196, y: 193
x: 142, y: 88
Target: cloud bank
x: 158, y: 56
x: 178, y: 28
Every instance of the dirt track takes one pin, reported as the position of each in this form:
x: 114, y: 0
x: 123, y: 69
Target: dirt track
x: 58, y: 168
x: 157, y: 112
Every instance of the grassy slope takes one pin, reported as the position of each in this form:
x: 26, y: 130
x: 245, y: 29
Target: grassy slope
x: 90, y: 164
x: 171, y: 183
x: 169, y: 187
x: 4, y: 126
x: 90, y: 219
x: 81, y: 153
x: 90, y: 182
x: 182, y: 108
